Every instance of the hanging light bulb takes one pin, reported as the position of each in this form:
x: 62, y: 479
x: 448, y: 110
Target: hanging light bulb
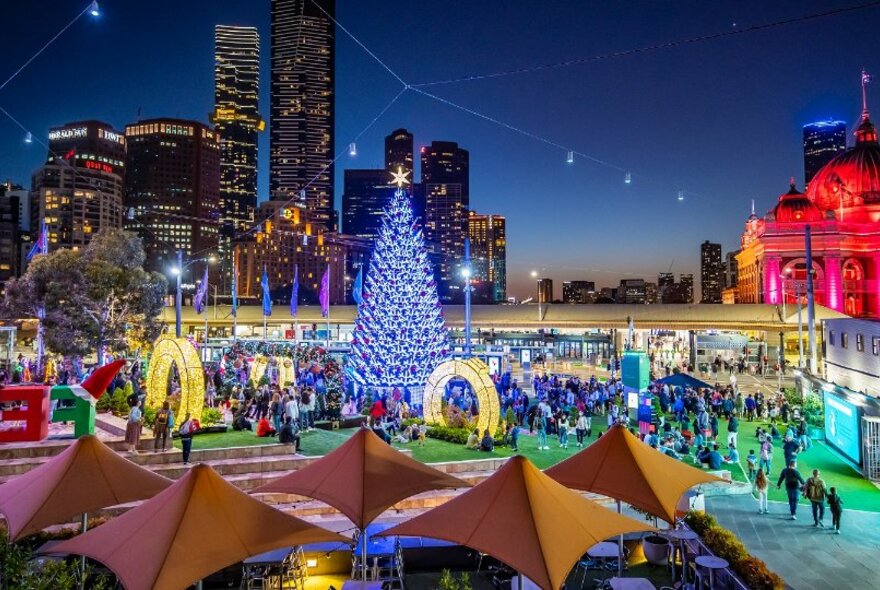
x: 352, y: 149
x: 94, y: 10
x: 305, y: 240
x: 569, y: 159
x: 681, y: 195
x: 302, y: 194
x: 628, y: 178
x: 28, y: 137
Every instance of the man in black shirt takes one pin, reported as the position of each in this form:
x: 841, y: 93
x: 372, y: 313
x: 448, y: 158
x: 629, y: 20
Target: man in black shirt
x: 793, y: 484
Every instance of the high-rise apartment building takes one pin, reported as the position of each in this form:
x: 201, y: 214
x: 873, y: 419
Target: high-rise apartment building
x: 172, y: 189
x: 399, y: 152
x: 579, y: 292
x: 446, y: 185
x: 10, y: 232
x: 711, y: 272
x: 237, y: 120
x: 545, y: 290
x: 302, y: 97
x: 78, y: 192
x: 488, y: 256
x: 686, y: 284
x: 668, y: 291
x: 364, y: 197
x: 822, y: 141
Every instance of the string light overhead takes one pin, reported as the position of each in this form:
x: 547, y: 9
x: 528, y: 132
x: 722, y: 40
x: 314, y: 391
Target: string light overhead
x: 29, y: 137
x: 352, y: 149
x: 627, y: 178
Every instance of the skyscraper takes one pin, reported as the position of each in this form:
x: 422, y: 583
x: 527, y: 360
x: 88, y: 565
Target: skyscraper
x: 365, y: 194
x: 237, y: 119
x: 489, y: 256
x: 446, y: 186
x: 303, y: 95
x: 399, y: 152
x: 711, y: 272
x: 578, y: 292
x: 545, y: 290
x: 79, y: 190
x: 822, y: 141
x: 686, y: 284
x: 173, y: 188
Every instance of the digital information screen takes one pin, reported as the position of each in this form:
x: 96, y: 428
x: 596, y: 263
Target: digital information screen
x: 842, y: 427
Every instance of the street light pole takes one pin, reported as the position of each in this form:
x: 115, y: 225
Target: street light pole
x: 466, y: 273
x: 537, y: 292
x: 178, y: 299
x: 797, y: 291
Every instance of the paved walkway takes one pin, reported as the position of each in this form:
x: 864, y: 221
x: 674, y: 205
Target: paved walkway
x: 805, y: 557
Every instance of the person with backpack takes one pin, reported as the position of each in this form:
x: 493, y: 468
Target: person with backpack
x: 815, y: 492
x: 186, y: 431
x: 161, y: 427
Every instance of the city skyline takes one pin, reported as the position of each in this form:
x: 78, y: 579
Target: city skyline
x: 511, y: 172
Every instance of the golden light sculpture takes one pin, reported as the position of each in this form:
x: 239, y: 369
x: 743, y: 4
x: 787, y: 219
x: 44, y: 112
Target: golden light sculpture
x: 286, y: 371
x: 258, y: 368
x: 181, y: 352
x: 476, y: 373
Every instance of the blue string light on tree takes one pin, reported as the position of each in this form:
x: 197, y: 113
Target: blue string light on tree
x: 400, y: 335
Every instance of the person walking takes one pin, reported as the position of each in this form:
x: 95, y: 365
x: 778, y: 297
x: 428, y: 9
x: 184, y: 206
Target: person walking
x: 835, y: 504
x: 732, y: 428
x: 815, y: 492
x: 766, y: 455
x: 793, y: 483
x: 161, y: 426
x: 762, y: 486
x: 186, y: 431
x: 580, y: 429
x: 133, y: 427
x: 541, y: 428
x: 562, y: 431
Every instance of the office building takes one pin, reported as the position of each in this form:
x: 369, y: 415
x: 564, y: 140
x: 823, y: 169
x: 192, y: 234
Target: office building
x: 545, y: 290
x: 823, y: 141
x: 446, y: 186
x: 172, y: 189
x: 399, y: 153
x: 10, y: 231
x: 293, y: 237
x: 730, y: 269
x: 365, y: 195
x: 488, y: 256
x: 651, y: 293
x: 669, y: 291
x: 632, y: 291
x: 852, y: 354
x: 302, y: 97
x: 711, y: 273
x: 237, y: 121
x: 579, y: 292
x: 78, y: 192
x: 686, y: 284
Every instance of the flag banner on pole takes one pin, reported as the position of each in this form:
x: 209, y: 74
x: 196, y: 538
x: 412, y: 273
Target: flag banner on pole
x: 267, y: 299
x: 357, y: 291
x: 234, y: 287
x: 294, y: 291
x: 41, y: 246
x: 201, y: 293
x: 324, y: 296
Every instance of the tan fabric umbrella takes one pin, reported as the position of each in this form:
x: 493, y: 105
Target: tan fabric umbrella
x: 621, y: 466
x: 362, y: 478
x: 522, y: 517
x: 199, y: 525
x: 85, y: 477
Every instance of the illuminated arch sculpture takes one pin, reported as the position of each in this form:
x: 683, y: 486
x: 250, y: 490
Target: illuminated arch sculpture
x: 476, y: 373
x: 184, y: 354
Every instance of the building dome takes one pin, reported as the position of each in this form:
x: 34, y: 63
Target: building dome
x: 852, y: 179
x: 795, y: 207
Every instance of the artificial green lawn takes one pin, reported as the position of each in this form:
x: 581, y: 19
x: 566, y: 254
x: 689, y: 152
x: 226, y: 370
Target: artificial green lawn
x: 857, y: 492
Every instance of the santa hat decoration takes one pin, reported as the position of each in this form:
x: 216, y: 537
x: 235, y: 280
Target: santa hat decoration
x: 100, y: 379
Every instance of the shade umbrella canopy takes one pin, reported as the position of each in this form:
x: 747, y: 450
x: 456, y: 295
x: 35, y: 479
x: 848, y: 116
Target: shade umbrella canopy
x: 525, y: 519
x: 85, y: 477
x: 197, y: 526
x: 362, y: 478
x: 683, y: 380
x: 623, y: 467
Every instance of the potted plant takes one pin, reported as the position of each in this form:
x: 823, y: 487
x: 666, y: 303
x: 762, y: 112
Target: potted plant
x: 655, y: 547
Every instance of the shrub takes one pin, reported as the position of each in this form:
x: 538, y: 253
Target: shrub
x: 119, y: 403
x: 453, y: 435
x: 751, y: 570
x: 412, y: 422
x: 448, y: 581
x: 104, y: 403
x: 211, y: 416
x: 149, y: 417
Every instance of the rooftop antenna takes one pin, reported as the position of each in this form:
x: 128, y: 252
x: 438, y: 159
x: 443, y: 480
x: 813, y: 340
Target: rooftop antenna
x: 753, y: 206
x: 866, y: 79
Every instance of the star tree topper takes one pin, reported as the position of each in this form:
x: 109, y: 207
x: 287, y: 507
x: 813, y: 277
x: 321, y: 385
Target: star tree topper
x: 399, y: 177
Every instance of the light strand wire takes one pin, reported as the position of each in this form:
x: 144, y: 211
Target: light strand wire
x: 649, y: 48
x: 44, y: 47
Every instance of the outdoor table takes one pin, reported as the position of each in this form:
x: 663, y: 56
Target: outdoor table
x: 377, y: 547
x: 711, y: 563
x: 679, y: 536
x: 632, y: 584
x: 361, y: 585
x: 604, y: 550
x: 274, y: 557
x: 270, y: 566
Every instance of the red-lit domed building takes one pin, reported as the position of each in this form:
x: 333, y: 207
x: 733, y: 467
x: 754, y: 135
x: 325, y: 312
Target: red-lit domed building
x: 842, y: 208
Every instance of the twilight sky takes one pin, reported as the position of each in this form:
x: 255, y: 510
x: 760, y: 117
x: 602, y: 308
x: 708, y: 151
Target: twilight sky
x: 720, y: 120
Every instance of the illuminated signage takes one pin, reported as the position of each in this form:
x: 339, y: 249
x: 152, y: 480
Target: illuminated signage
x: 101, y: 166
x: 842, y: 427
x: 111, y: 136
x: 70, y: 133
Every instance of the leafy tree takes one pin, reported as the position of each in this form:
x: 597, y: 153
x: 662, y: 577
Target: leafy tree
x: 94, y: 299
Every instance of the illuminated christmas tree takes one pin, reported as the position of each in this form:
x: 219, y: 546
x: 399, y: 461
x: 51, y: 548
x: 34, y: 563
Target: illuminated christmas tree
x: 400, y: 335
